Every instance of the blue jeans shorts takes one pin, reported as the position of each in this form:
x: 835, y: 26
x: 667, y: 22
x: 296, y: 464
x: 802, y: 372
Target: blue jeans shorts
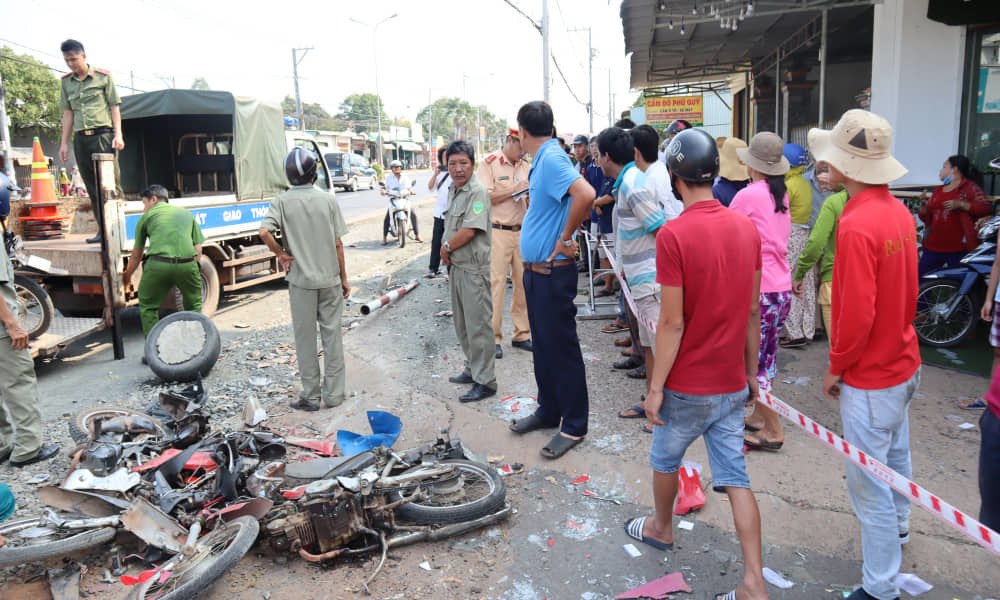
x: 719, y: 418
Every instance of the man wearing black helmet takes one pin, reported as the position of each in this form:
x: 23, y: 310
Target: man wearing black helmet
x: 311, y: 226
x: 676, y: 126
x: 707, y: 339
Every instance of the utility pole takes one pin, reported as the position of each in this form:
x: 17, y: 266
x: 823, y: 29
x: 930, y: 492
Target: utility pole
x: 590, y: 73
x: 611, y: 102
x: 546, y: 58
x: 8, y: 165
x: 295, y: 77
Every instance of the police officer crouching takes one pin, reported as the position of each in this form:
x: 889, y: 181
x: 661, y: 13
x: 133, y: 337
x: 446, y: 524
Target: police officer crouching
x: 171, y: 259
x: 466, y: 253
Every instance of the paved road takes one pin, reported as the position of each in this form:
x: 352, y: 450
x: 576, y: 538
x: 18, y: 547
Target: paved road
x: 367, y: 203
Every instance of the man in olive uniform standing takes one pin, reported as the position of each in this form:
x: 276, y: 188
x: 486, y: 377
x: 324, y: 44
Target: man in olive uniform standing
x: 21, y: 442
x: 466, y: 253
x: 504, y: 173
x: 172, y: 258
x: 89, y: 101
x: 312, y: 226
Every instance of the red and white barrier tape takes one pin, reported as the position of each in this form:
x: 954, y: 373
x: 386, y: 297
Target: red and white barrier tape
x: 979, y: 533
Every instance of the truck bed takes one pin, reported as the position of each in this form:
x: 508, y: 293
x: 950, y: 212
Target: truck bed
x: 62, y: 332
x: 71, y: 253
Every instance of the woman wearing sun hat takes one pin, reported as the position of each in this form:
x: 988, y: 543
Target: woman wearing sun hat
x: 733, y: 176
x: 765, y: 201
x: 874, y: 357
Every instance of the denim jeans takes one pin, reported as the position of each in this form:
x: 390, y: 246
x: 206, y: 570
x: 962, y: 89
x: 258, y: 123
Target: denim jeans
x: 877, y: 422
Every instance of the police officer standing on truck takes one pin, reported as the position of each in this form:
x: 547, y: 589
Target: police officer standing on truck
x: 89, y: 101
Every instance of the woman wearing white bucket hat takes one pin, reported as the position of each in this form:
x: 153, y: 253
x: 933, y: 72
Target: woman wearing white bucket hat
x: 874, y: 358
x: 765, y: 201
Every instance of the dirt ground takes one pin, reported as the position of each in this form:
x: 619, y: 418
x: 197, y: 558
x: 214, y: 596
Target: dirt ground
x: 559, y: 543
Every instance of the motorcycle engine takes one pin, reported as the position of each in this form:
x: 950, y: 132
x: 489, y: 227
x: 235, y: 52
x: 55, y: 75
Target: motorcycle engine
x: 326, y: 518
x: 101, y: 458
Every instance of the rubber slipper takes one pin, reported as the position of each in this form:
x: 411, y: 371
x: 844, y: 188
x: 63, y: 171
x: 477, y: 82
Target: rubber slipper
x: 623, y: 342
x: 750, y: 428
x: 627, y: 363
x: 730, y: 596
x: 559, y: 445
x: 638, y: 412
x: 528, y: 424
x: 614, y: 328
x: 976, y: 404
x: 759, y: 444
x: 647, y: 428
x: 633, y: 527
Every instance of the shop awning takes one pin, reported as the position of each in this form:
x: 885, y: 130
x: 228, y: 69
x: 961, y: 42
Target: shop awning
x: 388, y: 146
x: 674, y: 41
x: 409, y: 147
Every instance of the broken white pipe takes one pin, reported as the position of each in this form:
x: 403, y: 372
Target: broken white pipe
x: 389, y: 297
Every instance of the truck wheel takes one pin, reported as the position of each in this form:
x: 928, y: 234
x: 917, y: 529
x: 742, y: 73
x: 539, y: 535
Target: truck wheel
x: 209, y: 286
x: 183, y: 345
x: 35, y: 308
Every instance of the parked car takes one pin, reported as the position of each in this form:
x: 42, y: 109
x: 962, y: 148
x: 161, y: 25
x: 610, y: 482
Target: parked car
x: 350, y: 171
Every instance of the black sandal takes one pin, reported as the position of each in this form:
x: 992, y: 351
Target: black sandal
x: 528, y: 424
x: 558, y: 446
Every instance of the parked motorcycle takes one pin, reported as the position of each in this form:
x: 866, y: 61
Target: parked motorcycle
x: 949, y: 299
x: 399, y: 212
x: 35, y: 308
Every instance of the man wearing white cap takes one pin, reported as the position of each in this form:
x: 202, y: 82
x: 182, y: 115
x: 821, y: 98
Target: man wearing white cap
x: 874, y: 358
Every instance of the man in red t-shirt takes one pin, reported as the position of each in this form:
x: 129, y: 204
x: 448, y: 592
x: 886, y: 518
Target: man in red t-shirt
x: 707, y: 340
x: 874, y: 358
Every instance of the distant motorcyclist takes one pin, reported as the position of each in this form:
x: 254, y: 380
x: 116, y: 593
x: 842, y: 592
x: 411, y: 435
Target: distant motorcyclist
x: 399, y: 184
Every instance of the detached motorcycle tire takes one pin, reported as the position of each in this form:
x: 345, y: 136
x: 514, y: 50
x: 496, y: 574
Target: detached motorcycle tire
x: 14, y: 552
x: 214, y: 554
x: 82, y: 426
x: 197, y: 362
x: 35, y: 309
x: 483, y: 493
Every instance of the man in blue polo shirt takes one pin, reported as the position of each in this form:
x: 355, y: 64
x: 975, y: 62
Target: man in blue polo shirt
x: 560, y: 201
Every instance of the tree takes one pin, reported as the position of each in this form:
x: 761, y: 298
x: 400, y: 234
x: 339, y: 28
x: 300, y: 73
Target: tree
x: 314, y: 116
x: 455, y: 119
x: 362, y: 110
x: 200, y: 84
x: 31, y: 92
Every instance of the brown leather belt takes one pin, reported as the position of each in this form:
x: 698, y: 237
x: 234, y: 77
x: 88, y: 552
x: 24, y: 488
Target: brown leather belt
x: 507, y: 227
x: 545, y: 268
x: 95, y: 131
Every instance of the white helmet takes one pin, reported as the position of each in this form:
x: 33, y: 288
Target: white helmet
x: 396, y: 163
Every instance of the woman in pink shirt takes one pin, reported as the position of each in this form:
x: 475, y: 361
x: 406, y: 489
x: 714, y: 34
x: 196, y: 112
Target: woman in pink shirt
x: 766, y: 203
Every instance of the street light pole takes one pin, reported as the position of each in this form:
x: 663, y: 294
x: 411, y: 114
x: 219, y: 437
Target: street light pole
x: 378, y: 97
x: 295, y: 76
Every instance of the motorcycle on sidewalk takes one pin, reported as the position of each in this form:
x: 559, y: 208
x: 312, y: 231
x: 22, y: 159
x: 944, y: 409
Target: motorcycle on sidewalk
x: 399, y: 212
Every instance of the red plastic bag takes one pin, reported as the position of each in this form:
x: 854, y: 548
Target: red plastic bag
x: 690, y: 496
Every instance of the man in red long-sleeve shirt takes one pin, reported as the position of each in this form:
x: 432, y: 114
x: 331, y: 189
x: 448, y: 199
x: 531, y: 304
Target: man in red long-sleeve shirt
x: 874, y: 358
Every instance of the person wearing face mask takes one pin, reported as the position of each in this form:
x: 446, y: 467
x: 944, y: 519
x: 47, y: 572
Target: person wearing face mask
x: 949, y: 215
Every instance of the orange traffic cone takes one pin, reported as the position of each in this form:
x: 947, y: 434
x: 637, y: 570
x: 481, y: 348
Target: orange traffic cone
x: 43, y: 220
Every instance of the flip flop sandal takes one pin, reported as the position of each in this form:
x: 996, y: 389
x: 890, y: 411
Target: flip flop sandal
x: 528, y: 424
x: 559, y: 445
x: 647, y: 428
x: 638, y: 412
x: 633, y: 527
x: 730, y: 596
x: 976, y: 404
x: 627, y: 363
x: 613, y: 328
x: 750, y: 428
x: 623, y: 342
x: 758, y: 444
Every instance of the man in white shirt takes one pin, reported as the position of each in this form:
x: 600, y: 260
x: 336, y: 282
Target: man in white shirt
x: 439, y: 185
x: 657, y: 177
x: 398, y: 182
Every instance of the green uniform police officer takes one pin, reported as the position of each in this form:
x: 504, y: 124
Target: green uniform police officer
x: 20, y: 441
x: 171, y: 259
x: 311, y: 226
x: 89, y: 101
x: 466, y: 252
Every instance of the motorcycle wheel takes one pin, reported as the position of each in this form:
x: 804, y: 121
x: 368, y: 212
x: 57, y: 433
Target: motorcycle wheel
x: 81, y: 426
x: 214, y: 554
x: 30, y: 540
x: 401, y: 230
x: 471, y: 491
x: 936, y: 329
x: 35, y: 309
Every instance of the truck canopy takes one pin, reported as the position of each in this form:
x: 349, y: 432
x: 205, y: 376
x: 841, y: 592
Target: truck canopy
x: 197, y: 142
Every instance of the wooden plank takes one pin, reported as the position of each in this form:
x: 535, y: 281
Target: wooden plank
x: 71, y: 253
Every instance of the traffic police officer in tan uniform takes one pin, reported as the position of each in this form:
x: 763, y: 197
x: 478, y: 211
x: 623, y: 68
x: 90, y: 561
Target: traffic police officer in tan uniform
x: 21, y: 442
x: 466, y: 253
x: 505, y: 173
x: 312, y: 226
x: 89, y: 101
